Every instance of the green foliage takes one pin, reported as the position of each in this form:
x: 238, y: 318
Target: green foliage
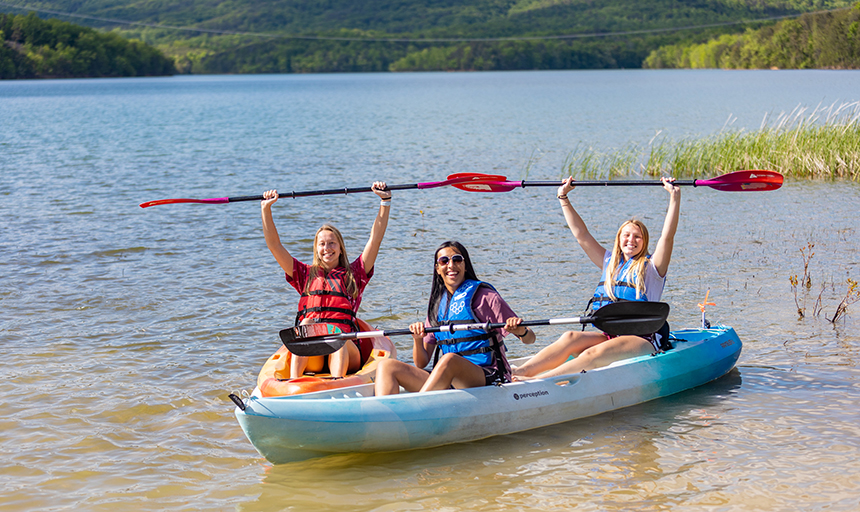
x: 269, y: 32
x: 827, y: 40
x: 36, y: 48
x: 822, y: 144
x: 509, y: 55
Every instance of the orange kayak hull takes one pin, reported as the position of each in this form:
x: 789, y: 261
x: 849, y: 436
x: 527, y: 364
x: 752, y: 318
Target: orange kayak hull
x: 274, y: 378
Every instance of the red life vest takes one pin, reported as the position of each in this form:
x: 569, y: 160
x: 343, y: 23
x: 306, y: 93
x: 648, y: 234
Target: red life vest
x: 327, y: 301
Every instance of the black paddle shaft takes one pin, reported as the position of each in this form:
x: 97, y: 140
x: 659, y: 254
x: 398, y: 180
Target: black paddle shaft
x: 617, y: 319
x: 327, y: 192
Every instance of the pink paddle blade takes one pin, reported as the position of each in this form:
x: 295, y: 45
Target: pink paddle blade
x: 745, y: 181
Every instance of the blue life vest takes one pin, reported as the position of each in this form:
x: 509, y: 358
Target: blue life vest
x: 477, y: 346
x: 624, y: 289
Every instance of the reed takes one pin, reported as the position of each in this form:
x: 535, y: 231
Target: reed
x: 823, y: 143
x: 851, y: 296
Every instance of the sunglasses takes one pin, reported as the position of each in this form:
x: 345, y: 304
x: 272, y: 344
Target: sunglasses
x: 443, y: 260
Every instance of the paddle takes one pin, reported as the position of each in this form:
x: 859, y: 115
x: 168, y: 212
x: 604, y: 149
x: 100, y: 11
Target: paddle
x: 460, y: 178
x: 738, y: 181
x: 618, y: 318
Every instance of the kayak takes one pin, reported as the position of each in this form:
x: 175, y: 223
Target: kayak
x: 293, y: 428
x: 274, y: 378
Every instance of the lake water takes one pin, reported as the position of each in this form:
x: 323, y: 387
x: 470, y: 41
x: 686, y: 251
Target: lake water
x: 123, y: 330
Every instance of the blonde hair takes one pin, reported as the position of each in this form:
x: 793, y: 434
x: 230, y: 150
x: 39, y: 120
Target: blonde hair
x: 637, y: 269
x: 317, y: 268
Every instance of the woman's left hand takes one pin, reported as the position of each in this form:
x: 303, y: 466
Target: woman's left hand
x: 567, y: 185
x: 378, y: 187
x: 512, y: 326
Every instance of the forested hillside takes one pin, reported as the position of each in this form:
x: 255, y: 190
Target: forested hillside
x: 295, y: 36
x: 827, y: 40
x: 35, y: 48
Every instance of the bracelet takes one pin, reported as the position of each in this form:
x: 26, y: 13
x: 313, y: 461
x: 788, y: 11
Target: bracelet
x: 563, y: 197
x: 385, y: 202
x: 523, y: 334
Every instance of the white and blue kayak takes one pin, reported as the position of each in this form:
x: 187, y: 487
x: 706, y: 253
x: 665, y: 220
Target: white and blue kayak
x: 292, y: 428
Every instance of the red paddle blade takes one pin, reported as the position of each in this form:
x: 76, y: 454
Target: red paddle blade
x: 475, y: 176
x: 479, y: 182
x: 744, y: 181
x: 214, y: 200
x: 489, y: 186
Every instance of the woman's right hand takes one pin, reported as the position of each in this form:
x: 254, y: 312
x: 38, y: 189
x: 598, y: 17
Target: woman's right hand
x: 379, y: 188
x: 417, y: 330
x: 269, y: 198
x: 566, y: 187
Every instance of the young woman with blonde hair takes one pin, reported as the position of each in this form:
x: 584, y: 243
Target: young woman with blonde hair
x: 629, y: 272
x: 331, y: 287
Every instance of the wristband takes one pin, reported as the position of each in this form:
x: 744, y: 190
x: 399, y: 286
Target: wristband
x: 385, y: 202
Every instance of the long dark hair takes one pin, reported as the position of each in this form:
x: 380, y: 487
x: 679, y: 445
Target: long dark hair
x: 437, y: 288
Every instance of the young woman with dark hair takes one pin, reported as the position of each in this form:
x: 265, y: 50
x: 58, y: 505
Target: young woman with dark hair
x: 470, y: 358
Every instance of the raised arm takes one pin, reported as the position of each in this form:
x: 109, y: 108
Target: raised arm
x: 371, y: 249
x: 663, y: 252
x: 273, y: 240
x: 592, y: 248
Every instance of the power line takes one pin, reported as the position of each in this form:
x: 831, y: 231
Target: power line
x: 421, y: 40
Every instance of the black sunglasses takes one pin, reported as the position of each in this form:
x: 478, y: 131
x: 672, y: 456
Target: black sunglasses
x: 443, y: 260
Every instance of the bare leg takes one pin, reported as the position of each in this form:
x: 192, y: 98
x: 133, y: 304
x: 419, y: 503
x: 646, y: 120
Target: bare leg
x: 391, y: 374
x: 348, y: 358
x: 300, y: 364
x: 603, y: 354
x: 297, y: 366
x: 568, y: 344
x: 454, y: 370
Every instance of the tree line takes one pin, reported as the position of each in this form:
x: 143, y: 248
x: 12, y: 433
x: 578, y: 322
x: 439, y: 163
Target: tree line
x: 407, y: 22
x: 34, y: 48
x: 826, y: 40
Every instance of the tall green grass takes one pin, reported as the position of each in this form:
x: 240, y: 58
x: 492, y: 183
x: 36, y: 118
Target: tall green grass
x: 823, y: 143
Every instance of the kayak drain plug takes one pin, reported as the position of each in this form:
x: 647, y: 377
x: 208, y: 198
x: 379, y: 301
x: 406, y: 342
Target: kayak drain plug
x: 238, y: 401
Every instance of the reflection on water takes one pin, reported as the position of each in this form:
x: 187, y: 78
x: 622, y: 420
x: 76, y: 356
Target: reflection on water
x: 123, y: 330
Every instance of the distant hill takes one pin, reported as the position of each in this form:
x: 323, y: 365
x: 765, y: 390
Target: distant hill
x: 35, y: 48
x: 826, y: 40
x: 290, y: 35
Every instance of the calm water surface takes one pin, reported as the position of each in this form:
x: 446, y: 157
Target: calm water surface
x: 123, y: 330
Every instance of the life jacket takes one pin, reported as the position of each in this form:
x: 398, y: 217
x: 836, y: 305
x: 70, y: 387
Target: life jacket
x: 326, y: 300
x: 624, y: 289
x: 477, y: 346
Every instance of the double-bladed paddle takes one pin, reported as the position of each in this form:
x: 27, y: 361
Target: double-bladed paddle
x: 738, y: 181
x: 618, y: 318
x: 459, y: 178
